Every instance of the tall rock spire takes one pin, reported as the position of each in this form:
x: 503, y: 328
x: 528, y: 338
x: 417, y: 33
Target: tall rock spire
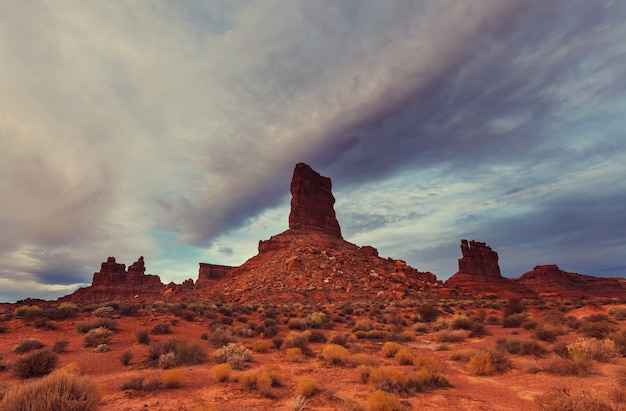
x: 312, y: 202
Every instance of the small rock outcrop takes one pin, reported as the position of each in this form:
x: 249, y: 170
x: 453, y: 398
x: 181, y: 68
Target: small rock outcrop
x: 210, y: 273
x: 550, y: 280
x: 312, y: 202
x: 479, y: 274
x: 113, y: 282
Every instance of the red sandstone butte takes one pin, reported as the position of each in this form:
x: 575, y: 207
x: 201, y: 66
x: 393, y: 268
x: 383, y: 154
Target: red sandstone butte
x: 113, y: 282
x: 549, y: 280
x: 312, y: 202
x: 311, y: 259
x: 479, y: 274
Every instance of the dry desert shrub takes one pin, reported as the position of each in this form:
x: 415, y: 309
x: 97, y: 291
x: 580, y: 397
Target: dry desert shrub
x: 220, y: 337
x: 520, y: 347
x: 363, y: 359
x: 143, y: 336
x: 60, y: 346
x: 389, y: 379
x: 389, y: 349
x: 174, y: 352
x: 161, y: 329
x: 404, y: 356
x: 384, y: 401
x: 87, y: 326
x: 307, y: 387
x: 97, y: 336
x: 427, y: 313
x: 335, y: 354
x: 173, y: 378
x: 463, y: 354
x: 514, y: 320
x: 261, y: 346
x: 52, y: 393
x: 559, y: 399
x: 488, y: 363
x: 221, y: 372
x: 236, y: 355
x: 451, y: 335
x: 617, y: 312
x: 35, y: 364
x: 29, y: 344
x: 294, y: 354
x: 126, y: 357
x: 597, y: 326
x: 298, y: 340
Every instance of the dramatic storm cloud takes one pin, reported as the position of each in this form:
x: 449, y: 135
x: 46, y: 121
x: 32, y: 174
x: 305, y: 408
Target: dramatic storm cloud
x: 170, y: 130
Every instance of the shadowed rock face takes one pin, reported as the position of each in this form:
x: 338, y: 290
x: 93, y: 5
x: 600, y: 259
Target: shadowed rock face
x: 113, y: 282
x: 210, y: 273
x: 549, y: 280
x: 479, y: 259
x: 312, y: 202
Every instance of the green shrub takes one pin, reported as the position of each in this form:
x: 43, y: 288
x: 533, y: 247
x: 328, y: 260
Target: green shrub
x: 53, y: 393
x: 35, y: 364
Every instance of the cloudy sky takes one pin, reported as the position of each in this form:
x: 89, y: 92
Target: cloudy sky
x: 170, y: 129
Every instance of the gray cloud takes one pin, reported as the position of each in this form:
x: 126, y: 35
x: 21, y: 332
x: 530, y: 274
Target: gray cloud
x: 127, y: 128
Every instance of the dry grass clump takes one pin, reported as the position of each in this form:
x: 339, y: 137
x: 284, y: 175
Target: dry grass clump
x: 363, y: 359
x: 55, y: 392
x: 173, y: 378
x: 35, y: 364
x: 307, y: 387
x: 389, y: 349
x: 294, y: 354
x: 404, y: 356
x: 384, y: 401
x: 220, y: 337
x: 451, y: 335
x: 236, y: 355
x: 617, y: 312
x: 547, y: 332
x: 221, y: 372
x: 137, y: 384
x: 564, y: 399
x: 597, y: 326
x: 578, y: 359
x: 263, y: 380
x: 261, y: 346
x: 335, y: 354
x: 298, y: 340
x: 488, y: 363
x: 463, y: 354
x: 143, y: 336
x: 389, y: 379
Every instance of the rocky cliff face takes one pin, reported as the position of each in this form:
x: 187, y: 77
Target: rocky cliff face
x: 113, y: 282
x: 312, y: 202
x: 479, y: 274
x: 550, y: 281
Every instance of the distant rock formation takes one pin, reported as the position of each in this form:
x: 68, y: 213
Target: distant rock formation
x: 479, y: 274
x: 549, y: 280
x: 312, y: 202
x: 311, y: 259
x: 210, y: 273
x: 113, y: 282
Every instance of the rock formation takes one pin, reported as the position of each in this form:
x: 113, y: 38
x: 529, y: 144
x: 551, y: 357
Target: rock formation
x: 312, y: 202
x: 210, y: 273
x: 311, y: 259
x: 550, y: 281
x: 479, y: 274
x: 113, y: 282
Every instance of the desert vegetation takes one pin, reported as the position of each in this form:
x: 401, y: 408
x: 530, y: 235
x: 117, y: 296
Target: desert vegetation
x: 350, y: 355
